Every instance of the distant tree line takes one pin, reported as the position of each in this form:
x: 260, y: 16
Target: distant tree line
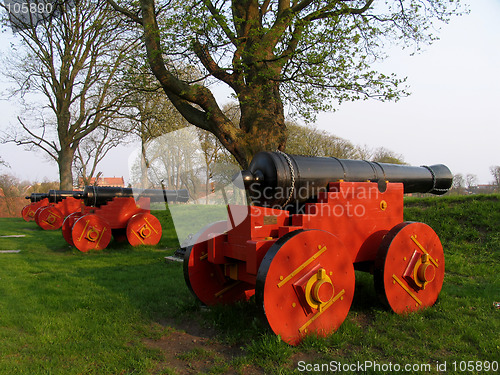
x: 468, y: 184
x: 13, y: 192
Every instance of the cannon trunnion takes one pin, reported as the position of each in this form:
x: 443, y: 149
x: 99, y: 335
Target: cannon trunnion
x: 297, y: 251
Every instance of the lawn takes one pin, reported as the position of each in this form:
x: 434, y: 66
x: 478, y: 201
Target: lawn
x: 126, y: 310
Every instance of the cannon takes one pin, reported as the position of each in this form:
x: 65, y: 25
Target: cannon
x: 123, y: 213
x: 37, y: 197
x: 312, y: 222
x: 61, y: 203
x: 37, y: 200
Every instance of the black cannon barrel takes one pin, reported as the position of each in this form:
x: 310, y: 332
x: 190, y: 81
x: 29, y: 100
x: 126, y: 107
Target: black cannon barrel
x: 276, y: 178
x: 37, y: 197
x: 56, y: 196
x: 95, y: 196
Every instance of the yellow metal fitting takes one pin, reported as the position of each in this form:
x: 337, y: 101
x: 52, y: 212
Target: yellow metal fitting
x: 383, y: 205
x: 312, y: 292
x: 145, y: 231
x: 92, y: 234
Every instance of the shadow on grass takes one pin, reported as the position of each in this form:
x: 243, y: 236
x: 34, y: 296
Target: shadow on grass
x: 157, y: 290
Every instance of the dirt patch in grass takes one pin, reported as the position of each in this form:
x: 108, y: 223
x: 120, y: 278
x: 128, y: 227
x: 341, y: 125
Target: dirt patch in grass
x: 362, y: 319
x: 189, y: 348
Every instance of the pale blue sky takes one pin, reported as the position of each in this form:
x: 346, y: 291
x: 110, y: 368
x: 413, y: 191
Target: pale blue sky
x: 450, y: 118
x: 452, y: 115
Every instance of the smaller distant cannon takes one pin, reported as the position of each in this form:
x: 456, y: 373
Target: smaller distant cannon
x: 37, y: 200
x: 117, y: 212
x: 61, y: 203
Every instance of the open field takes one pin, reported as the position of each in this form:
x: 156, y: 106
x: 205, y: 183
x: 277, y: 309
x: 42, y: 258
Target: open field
x: 125, y: 310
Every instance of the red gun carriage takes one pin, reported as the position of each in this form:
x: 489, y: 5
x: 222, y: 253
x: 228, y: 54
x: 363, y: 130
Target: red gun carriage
x: 123, y: 213
x: 312, y: 223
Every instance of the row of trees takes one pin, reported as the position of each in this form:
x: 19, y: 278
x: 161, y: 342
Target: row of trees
x: 83, y: 87
x: 93, y: 68
x: 13, y: 191
x: 468, y: 184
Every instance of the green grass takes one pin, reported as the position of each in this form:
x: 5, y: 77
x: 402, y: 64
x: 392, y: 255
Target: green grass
x: 66, y: 312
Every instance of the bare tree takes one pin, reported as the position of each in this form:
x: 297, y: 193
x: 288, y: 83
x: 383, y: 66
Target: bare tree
x: 147, y: 112
x: 471, y: 182
x: 458, y: 183
x: 92, y: 150
x: 11, y: 190
x: 3, y: 162
x: 383, y: 155
x: 64, y: 71
x: 310, y: 141
x: 495, y: 171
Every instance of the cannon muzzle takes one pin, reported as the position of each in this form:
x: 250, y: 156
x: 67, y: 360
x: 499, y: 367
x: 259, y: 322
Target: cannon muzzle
x: 277, y: 179
x: 56, y: 196
x: 95, y: 196
x: 37, y: 197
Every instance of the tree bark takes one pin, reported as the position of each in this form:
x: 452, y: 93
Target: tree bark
x: 65, y: 163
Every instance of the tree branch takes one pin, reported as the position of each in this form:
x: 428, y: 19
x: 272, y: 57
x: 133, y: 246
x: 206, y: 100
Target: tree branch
x: 206, y: 59
x: 180, y: 93
x: 48, y: 146
x: 263, y: 9
x: 221, y: 21
x: 133, y: 16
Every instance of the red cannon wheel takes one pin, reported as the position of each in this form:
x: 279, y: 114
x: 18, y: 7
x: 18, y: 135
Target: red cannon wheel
x: 26, y: 213
x: 305, y: 284
x: 29, y: 211
x: 37, y: 214
x: 409, y: 268
x: 206, y: 280
x: 67, y: 226
x: 49, y: 218
x: 91, y: 232
x: 143, y: 229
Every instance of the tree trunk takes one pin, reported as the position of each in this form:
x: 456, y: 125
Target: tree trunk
x: 144, y: 165
x: 262, y: 120
x: 65, y: 163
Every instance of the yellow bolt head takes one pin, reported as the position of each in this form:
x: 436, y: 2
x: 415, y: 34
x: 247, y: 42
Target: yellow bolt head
x: 383, y: 205
x: 321, y: 273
